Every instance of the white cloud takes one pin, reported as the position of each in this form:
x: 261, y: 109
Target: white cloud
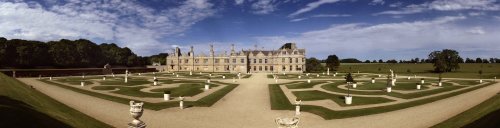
x: 397, y: 4
x: 264, y: 6
x: 127, y: 23
x: 392, y: 40
x: 376, y: 2
x: 447, y: 5
x: 311, y: 6
x: 298, y: 19
x: 331, y: 15
x: 238, y: 2
x: 476, y: 13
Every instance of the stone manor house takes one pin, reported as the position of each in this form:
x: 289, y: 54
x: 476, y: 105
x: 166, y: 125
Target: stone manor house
x: 288, y: 58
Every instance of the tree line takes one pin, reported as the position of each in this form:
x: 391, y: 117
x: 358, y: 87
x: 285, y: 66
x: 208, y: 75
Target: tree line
x: 82, y: 53
x: 446, y: 60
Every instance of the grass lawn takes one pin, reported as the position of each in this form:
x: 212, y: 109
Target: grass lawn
x: 301, y: 85
x: 187, y: 89
x: 339, y: 99
x: 424, y: 69
x: 206, y: 101
x: 466, y: 82
x: 130, y: 81
x: 382, y: 85
x: 104, y: 87
x: 23, y: 106
x: 280, y: 102
x: 446, y: 87
x: 476, y: 117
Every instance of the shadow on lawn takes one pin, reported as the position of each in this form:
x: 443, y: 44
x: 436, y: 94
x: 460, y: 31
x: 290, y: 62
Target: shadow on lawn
x: 17, y: 114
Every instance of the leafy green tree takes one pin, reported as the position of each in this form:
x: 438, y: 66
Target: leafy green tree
x: 314, y: 65
x: 445, y: 61
x: 332, y: 62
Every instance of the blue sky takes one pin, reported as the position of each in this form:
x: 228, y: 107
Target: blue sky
x: 364, y: 29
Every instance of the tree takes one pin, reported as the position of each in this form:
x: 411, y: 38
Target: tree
x: 479, y: 60
x: 332, y: 62
x: 445, y: 60
x: 350, y: 60
x: 314, y: 65
x: 367, y: 61
x: 349, y: 80
x: 380, y: 61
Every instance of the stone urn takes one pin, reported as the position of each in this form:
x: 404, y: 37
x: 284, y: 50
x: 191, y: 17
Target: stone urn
x: 354, y: 85
x: 418, y: 86
x: 287, y: 122
x: 82, y: 83
x: 389, y: 89
x: 440, y: 84
x: 136, y: 112
x: 480, y: 81
x: 373, y: 80
x: 348, y: 99
x: 166, y: 95
x: 422, y: 81
x: 308, y: 81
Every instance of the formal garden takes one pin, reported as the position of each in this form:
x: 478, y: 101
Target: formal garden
x: 344, y: 95
x: 157, y: 90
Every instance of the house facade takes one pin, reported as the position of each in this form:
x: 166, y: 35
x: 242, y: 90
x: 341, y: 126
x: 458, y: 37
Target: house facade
x: 288, y: 58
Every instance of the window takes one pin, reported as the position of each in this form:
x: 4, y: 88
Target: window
x: 186, y: 61
x: 283, y: 60
x: 255, y: 68
x: 265, y: 68
x: 271, y: 67
x: 260, y: 68
x: 295, y: 52
x: 265, y: 61
x: 205, y: 61
x: 196, y: 60
x: 296, y: 60
x: 226, y: 61
x: 284, y: 68
x: 260, y: 61
x: 216, y: 60
x: 303, y: 59
x: 291, y: 67
x: 290, y: 60
x: 242, y: 60
x: 234, y: 60
x: 254, y: 60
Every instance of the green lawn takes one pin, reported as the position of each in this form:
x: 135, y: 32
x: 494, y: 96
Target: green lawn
x: 465, y: 71
x: 187, y: 89
x: 333, y: 87
x: 304, y: 84
x: 339, y: 99
x: 23, y: 106
x: 382, y: 85
x: 470, y: 117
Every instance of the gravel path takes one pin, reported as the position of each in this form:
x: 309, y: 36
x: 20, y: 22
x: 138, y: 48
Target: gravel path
x: 248, y: 106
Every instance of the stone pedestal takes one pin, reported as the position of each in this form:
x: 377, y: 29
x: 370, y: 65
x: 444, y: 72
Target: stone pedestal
x: 418, y: 86
x: 379, y: 75
x: 177, y: 75
x: 308, y: 81
x: 50, y: 78
x: 155, y: 83
x: 480, y: 81
x: 334, y: 75
x: 328, y: 71
x: 166, y: 97
x: 307, y: 74
x: 82, y: 83
x: 126, y: 79
x: 181, y: 104
x: 393, y: 82
x: 299, y: 77
x: 208, y: 81
x: 348, y: 99
x: 317, y: 75
x: 389, y: 89
x: 223, y: 77
x: 207, y: 86
x: 409, y: 78
x: 440, y: 84
x: 39, y: 77
x: 276, y: 81
x: 422, y: 81
x: 210, y: 75
x: 354, y: 85
x: 297, y: 110
x: 103, y: 78
x: 190, y: 73
x: 154, y: 78
x: 373, y: 81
